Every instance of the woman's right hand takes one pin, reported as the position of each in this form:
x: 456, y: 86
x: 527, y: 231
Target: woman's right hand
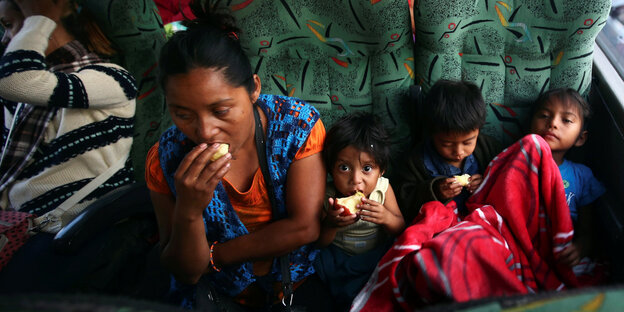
x: 197, y: 177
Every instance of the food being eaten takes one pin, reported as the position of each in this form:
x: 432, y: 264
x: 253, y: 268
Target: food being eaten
x: 222, y: 150
x: 463, y: 179
x: 349, y: 203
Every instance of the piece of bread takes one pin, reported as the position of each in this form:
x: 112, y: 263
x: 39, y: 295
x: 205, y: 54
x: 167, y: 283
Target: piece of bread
x: 223, y: 149
x: 349, y: 203
x: 463, y: 179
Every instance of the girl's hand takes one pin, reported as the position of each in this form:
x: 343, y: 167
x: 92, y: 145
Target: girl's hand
x: 375, y: 212
x: 197, y: 177
x: 475, y: 181
x: 571, y: 255
x: 53, y: 9
x: 334, y: 219
x: 447, y: 188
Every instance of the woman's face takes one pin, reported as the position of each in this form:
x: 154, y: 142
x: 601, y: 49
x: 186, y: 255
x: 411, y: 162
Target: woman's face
x: 207, y: 109
x: 11, y: 19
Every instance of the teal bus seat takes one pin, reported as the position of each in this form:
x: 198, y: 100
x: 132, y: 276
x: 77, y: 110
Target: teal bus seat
x: 341, y: 56
x: 137, y: 32
x: 513, y: 50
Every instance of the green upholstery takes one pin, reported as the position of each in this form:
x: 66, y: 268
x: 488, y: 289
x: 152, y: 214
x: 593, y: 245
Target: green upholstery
x: 135, y: 28
x: 341, y: 56
x: 513, y: 50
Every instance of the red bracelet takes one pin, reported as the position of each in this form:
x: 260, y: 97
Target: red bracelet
x: 212, y: 264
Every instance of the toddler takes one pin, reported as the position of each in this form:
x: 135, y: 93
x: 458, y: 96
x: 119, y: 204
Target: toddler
x: 356, y: 154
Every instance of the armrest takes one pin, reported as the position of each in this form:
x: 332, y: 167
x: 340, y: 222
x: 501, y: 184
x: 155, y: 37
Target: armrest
x: 127, y: 201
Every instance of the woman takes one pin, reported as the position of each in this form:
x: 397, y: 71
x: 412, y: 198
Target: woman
x: 217, y: 229
x: 68, y: 121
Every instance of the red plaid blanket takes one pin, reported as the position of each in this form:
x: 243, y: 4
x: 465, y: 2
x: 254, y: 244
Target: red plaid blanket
x: 517, y: 224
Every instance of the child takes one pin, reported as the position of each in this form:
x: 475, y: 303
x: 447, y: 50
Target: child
x: 454, y: 113
x: 560, y: 118
x: 356, y: 154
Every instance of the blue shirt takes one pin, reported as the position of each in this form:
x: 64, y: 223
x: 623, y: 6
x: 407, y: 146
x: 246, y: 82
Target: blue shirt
x: 438, y: 167
x: 581, y: 187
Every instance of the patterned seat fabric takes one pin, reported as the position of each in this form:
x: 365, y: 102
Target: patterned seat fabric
x: 341, y: 56
x: 513, y: 50
x: 135, y: 28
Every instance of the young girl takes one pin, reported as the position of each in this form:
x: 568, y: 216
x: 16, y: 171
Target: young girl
x: 561, y: 118
x: 356, y: 154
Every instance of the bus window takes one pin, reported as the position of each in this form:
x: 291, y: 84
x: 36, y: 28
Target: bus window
x: 611, y: 38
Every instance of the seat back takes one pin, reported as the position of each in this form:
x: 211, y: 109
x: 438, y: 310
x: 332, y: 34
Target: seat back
x: 135, y: 28
x: 341, y: 56
x: 513, y: 50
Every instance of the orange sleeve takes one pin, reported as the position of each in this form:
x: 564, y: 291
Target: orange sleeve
x: 314, y: 143
x: 154, y: 176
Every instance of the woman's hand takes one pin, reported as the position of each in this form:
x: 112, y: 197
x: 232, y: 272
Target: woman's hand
x: 334, y: 219
x: 197, y: 177
x: 446, y: 189
x: 53, y: 9
x: 475, y: 182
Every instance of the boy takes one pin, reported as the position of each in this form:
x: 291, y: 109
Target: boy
x: 454, y: 112
x: 560, y: 118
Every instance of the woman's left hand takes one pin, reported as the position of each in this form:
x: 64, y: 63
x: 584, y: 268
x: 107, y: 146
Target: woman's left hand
x: 52, y: 9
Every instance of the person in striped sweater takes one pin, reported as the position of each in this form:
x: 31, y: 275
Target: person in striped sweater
x: 68, y: 114
x: 68, y: 118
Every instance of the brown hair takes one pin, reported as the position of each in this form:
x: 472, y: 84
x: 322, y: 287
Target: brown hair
x: 81, y: 23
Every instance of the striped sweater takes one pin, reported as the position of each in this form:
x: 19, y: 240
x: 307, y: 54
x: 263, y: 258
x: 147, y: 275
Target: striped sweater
x: 90, y: 131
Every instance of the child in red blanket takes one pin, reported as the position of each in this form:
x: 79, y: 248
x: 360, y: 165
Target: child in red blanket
x: 560, y: 118
x: 454, y: 146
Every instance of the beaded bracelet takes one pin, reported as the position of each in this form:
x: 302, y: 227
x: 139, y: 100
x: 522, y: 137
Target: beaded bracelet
x: 212, y: 264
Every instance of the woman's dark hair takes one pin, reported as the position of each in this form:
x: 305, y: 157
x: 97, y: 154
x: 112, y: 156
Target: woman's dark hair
x: 566, y: 96
x: 210, y: 41
x: 454, y: 106
x: 361, y: 130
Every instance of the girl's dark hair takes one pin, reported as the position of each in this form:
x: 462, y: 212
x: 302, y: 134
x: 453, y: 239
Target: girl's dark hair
x: 210, y: 41
x: 454, y: 106
x: 361, y: 130
x: 566, y: 96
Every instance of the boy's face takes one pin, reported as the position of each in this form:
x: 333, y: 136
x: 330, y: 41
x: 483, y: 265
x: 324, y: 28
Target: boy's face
x: 355, y: 170
x: 455, y: 147
x: 560, y: 124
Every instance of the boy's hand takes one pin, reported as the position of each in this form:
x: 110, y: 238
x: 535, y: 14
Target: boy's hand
x: 334, y: 219
x: 447, y: 188
x: 475, y: 181
x: 571, y: 255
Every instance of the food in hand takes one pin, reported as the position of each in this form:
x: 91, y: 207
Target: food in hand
x: 222, y: 150
x: 463, y: 179
x: 349, y: 203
